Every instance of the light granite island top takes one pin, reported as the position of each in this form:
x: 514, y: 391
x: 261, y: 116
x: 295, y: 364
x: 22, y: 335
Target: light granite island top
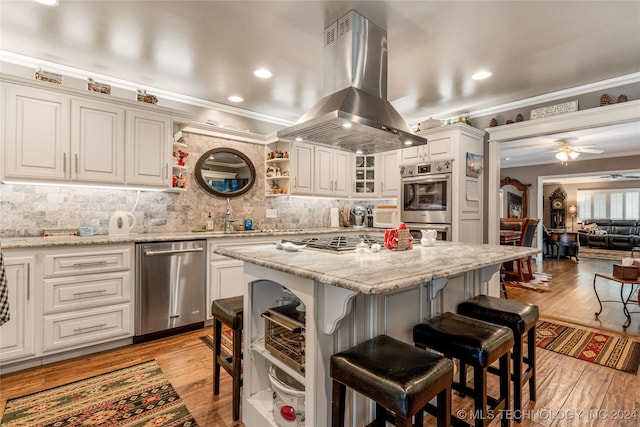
x: 380, y: 272
x: 347, y: 298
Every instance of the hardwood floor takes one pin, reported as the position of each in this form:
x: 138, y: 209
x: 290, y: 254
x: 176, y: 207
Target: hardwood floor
x: 566, y: 386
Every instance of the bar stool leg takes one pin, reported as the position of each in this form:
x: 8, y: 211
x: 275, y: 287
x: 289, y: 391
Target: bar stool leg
x: 480, y: 398
x: 517, y: 378
x: 217, y: 334
x: 531, y: 361
x: 505, y: 383
x: 444, y: 408
x: 338, y: 404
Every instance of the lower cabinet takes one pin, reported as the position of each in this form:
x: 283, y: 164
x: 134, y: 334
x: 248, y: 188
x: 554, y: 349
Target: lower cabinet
x: 74, y: 329
x: 66, y: 298
x: 17, y: 336
x: 226, y: 279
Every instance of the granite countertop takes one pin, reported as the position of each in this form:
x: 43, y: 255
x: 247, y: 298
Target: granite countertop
x: 32, y: 242
x: 381, y: 272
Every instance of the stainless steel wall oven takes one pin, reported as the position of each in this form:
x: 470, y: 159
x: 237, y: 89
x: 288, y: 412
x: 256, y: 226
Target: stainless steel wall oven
x: 426, y: 195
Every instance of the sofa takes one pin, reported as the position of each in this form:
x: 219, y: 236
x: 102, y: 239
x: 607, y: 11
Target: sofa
x: 610, y: 233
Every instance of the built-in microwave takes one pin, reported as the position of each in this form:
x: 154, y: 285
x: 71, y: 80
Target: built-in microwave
x: 426, y: 195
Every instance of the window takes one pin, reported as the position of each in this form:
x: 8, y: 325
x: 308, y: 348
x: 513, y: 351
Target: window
x: 609, y: 204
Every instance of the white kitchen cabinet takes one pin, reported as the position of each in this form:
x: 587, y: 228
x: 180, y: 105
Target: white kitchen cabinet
x: 148, y: 148
x: 365, y: 175
x: 87, y: 296
x: 438, y: 147
x: 415, y: 154
x: 61, y: 135
x: 331, y: 168
x: 97, y: 142
x: 390, y: 176
x: 36, y: 134
x: 302, y: 168
x: 17, y: 336
x: 226, y: 279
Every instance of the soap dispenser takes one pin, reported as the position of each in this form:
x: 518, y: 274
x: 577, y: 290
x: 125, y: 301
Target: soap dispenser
x: 248, y: 223
x: 209, y: 223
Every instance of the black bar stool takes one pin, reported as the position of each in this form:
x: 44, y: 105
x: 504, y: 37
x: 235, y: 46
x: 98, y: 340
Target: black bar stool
x: 397, y: 376
x: 228, y: 311
x: 476, y: 343
x: 521, y: 318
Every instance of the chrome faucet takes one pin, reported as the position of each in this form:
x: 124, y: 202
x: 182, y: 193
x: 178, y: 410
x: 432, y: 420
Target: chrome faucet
x: 228, y: 220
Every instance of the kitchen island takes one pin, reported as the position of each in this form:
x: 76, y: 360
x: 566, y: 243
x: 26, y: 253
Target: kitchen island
x: 350, y: 297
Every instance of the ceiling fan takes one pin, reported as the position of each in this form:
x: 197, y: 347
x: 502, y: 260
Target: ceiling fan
x: 568, y: 151
x: 614, y: 176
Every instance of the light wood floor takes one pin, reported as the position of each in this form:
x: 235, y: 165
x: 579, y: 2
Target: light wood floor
x: 565, y: 385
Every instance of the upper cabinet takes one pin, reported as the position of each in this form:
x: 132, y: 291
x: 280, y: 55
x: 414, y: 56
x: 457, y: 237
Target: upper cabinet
x: 148, y: 149
x: 36, y: 134
x: 331, y: 177
x: 69, y: 137
x: 376, y: 175
x: 302, y: 168
x: 97, y: 142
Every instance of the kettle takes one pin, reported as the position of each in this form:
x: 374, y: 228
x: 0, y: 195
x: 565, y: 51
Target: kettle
x: 121, y: 223
x: 428, y: 237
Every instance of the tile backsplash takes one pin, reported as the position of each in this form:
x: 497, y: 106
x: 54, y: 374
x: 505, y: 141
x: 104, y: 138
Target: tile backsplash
x: 28, y: 210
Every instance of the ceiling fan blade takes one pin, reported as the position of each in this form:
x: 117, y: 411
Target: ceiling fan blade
x: 588, y: 150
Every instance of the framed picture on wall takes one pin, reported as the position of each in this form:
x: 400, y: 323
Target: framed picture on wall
x: 514, y: 205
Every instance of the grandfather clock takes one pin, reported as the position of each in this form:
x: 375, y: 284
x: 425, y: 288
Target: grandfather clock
x: 558, y: 208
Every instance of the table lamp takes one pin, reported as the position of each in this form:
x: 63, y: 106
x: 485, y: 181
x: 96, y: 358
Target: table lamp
x: 572, y: 211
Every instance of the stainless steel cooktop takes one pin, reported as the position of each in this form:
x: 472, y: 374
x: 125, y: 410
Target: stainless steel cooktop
x: 340, y: 243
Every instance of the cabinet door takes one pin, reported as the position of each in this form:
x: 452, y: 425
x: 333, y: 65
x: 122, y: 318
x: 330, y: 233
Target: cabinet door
x: 440, y: 147
x: 17, y: 336
x: 341, y: 173
x: 364, y: 184
x: 226, y: 280
x: 323, y: 163
x: 36, y: 134
x: 148, y: 147
x: 97, y: 142
x: 390, y: 185
x: 302, y: 165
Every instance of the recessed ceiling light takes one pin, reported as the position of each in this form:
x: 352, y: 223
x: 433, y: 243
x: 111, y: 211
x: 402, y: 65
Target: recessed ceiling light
x: 48, y: 2
x: 263, y: 73
x: 481, y: 75
x: 235, y: 98
x: 358, y: 151
x: 298, y: 138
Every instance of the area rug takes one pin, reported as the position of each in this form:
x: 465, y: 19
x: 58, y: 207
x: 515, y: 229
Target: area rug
x: 597, y: 253
x: 617, y: 353
x: 138, y: 396
x: 539, y: 283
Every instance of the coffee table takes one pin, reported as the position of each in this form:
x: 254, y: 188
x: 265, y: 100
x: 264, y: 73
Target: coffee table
x: 624, y: 299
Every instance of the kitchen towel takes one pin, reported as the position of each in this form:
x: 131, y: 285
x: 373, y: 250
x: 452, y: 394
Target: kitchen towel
x: 4, y: 293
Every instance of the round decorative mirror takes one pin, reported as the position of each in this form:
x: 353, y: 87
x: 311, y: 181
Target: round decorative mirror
x: 225, y: 172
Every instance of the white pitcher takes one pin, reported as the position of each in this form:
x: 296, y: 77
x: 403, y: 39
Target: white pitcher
x: 428, y: 237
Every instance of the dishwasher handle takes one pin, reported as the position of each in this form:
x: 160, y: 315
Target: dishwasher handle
x: 172, y: 251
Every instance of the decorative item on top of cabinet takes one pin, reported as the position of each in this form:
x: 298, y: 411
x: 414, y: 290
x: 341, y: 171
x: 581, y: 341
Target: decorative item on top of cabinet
x: 277, y: 168
x: 143, y: 96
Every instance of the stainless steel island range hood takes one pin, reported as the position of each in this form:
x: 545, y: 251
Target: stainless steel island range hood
x: 356, y: 115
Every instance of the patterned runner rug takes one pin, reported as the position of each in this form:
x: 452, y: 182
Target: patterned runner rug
x: 139, y: 395
x: 617, y: 353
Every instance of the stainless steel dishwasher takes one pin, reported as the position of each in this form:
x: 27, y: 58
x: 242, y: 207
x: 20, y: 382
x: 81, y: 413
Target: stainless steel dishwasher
x: 170, y: 288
